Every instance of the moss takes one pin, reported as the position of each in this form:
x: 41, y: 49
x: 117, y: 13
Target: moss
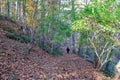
x: 8, y: 29
x: 18, y: 37
x: 56, y: 50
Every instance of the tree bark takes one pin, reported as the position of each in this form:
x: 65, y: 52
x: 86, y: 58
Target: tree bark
x: 73, y: 35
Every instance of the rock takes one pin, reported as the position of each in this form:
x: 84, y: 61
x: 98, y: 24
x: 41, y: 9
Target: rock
x: 2, y: 52
x: 117, y: 73
x: 1, y: 41
x: 118, y: 67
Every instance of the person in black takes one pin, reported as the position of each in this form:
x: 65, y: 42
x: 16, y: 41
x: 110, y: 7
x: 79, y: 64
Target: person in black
x: 68, y: 50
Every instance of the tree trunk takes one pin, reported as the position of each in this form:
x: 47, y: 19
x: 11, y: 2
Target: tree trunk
x: 24, y: 17
x: 42, y: 21
x: 0, y: 7
x: 8, y: 8
x: 73, y: 35
x: 17, y: 9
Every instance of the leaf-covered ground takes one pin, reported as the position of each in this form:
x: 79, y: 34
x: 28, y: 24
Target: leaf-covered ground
x: 38, y: 65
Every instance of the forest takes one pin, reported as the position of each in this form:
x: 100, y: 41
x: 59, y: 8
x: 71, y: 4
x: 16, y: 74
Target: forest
x: 59, y: 40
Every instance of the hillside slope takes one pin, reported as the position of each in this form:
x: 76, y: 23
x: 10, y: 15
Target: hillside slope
x: 38, y: 65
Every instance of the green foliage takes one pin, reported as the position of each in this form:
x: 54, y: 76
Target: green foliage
x: 102, y: 17
x: 104, y: 14
x: 98, y: 26
x: 18, y: 37
x: 53, y: 26
x: 13, y: 35
x: 8, y: 29
x: 109, y: 70
x: 14, y: 78
x: 56, y: 51
x: 42, y: 45
x: 108, y: 74
x: 57, y: 38
x: 83, y: 40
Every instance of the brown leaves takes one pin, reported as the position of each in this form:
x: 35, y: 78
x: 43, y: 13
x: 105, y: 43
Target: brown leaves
x: 39, y: 65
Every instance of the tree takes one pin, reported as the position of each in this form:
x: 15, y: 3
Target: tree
x: 1, y: 7
x: 98, y: 23
x: 8, y: 8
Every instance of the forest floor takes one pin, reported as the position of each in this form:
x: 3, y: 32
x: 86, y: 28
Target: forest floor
x: 39, y: 65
